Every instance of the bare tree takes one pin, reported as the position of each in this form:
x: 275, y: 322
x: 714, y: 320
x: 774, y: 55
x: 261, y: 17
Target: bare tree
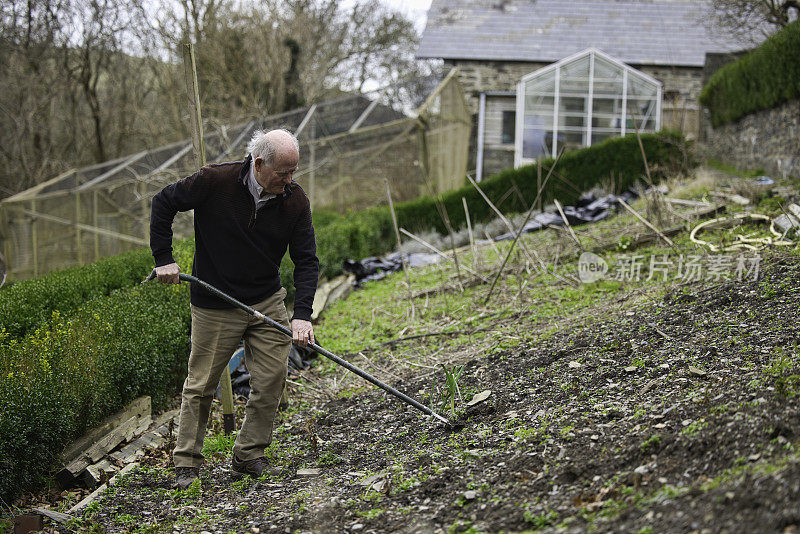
x: 751, y: 20
x: 82, y: 81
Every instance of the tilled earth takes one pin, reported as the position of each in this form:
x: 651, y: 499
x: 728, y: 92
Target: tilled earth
x: 674, y: 415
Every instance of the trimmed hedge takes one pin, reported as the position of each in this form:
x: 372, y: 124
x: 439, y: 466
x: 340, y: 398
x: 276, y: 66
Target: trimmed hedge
x: 766, y: 77
x: 71, y: 372
x: 58, y: 382
x: 579, y: 171
x: 28, y: 304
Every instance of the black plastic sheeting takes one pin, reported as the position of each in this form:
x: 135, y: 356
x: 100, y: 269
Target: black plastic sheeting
x: 589, y: 209
x: 374, y: 268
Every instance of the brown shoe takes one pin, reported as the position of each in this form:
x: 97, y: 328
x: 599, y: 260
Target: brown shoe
x: 256, y: 468
x: 184, y: 476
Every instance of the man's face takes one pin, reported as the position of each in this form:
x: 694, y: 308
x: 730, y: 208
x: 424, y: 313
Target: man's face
x: 273, y: 178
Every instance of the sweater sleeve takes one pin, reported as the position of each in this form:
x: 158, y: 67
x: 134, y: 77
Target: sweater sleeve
x: 303, y: 252
x: 183, y: 195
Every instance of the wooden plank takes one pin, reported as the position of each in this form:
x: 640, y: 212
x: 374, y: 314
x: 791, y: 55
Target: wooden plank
x: 138, y: 408
x: 73, y: 470
x: 58, y: 517
x: 135, y: 449
x: 99, y: 449
x: 342, y: 291
x: 96, y: 493
x: 322, y: 294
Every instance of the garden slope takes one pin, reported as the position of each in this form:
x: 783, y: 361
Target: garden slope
x: 672, y: 413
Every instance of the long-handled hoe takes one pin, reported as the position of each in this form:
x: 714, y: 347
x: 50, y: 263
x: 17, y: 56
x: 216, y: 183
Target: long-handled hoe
x: 316, y: 348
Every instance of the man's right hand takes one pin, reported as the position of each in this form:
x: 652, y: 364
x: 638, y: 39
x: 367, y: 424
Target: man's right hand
x: 168, y: 274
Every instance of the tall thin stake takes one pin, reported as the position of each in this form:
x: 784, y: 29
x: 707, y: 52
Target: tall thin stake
x: 566, y: 222
x: 504, y: 219
x: 399, y: 244
x: 193, y: 92
x: 471, y: 237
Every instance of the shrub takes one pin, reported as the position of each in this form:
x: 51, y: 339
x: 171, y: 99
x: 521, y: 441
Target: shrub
x: 56, y: 383
x: 28, y: 304
x: 578, y: 171
x: 764, y: 78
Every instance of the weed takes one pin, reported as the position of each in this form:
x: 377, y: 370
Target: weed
x: 693, y: 428
x: 545, y: 519
x: 329, y: 458
x: 370, y: 514
x: 242, y: 484
x: 446, y: 397
x: 218, y: 444
x: 650, y: 444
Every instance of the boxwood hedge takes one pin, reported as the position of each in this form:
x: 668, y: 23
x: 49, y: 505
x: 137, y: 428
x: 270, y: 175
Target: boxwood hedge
x: 28, y: 304
x: 764, y: 78
x: 60, y: 380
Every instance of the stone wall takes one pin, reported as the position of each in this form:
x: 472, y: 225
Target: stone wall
x: 477, y: 77
x: 681, y: 87
x: 768, y: 140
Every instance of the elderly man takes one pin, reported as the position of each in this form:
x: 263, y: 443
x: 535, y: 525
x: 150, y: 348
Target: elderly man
x: 246, y: 213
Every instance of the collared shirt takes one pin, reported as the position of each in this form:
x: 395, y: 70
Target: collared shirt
x: 256, y: 190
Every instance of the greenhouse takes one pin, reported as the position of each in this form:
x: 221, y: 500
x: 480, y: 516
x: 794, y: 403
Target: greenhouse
x: 581, y: 100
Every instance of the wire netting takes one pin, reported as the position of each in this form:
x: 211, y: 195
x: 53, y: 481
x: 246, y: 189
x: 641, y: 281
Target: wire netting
x: 414, y: 135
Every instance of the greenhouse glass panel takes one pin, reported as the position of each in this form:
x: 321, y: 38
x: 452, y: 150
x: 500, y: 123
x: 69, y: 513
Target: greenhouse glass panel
x: 580, y: 100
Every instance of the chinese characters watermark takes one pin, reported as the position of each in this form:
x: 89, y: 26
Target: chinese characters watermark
x: 665, y: 267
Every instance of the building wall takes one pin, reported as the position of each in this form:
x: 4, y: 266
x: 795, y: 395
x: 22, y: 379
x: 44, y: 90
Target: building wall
x: 767, y: 139
x: 477, y: 77
x: 680, y: 109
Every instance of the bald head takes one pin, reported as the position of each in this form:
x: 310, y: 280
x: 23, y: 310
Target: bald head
x: 267, y: 145
x: 276, y: 156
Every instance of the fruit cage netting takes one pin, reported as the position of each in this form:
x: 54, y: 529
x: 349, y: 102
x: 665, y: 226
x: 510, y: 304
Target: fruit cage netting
x: 413, y: 136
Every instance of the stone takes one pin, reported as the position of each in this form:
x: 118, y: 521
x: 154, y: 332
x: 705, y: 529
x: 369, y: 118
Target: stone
x: 765, y: 139
x: 470, y: 495
x: 784, y: 223
x: 696, y: 371
x: 311, y: 472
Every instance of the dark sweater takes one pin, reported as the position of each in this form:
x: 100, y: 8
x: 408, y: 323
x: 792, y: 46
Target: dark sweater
x: 238, y: 249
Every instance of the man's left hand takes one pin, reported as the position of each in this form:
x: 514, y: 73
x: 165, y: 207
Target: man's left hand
x: 302, y: 332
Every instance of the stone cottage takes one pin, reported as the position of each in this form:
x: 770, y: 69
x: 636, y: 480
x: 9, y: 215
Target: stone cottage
x: 605, y: 67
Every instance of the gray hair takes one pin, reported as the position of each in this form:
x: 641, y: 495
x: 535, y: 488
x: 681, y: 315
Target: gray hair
x: 260, y: 145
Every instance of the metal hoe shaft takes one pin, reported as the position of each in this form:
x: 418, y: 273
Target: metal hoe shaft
x: 316, y: 348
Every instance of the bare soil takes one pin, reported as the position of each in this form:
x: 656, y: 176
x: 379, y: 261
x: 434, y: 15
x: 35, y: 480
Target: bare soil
x: 676, y: 414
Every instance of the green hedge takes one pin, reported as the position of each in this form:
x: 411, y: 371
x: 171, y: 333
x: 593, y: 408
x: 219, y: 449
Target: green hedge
x: 28, y: 304
x: 79, y: 366
x: 56, y: 383
x: 578, y: 170
x: 764, y: 78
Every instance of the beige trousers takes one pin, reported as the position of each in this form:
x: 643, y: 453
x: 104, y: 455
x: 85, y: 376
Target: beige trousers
x: 215, y: 336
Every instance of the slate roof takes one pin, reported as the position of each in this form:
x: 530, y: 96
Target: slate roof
x: 638, y: 32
